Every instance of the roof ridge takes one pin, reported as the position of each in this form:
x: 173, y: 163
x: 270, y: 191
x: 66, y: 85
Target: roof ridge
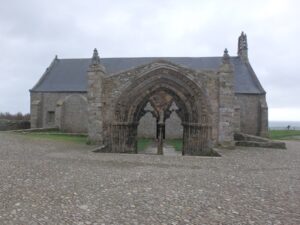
x: 152, y: 57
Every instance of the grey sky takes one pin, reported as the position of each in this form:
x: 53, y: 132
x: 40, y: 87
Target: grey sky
x: 33, y: 31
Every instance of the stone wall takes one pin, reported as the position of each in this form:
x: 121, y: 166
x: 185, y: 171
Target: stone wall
x: 251, y: 114
x: 248, y: 107
x: 74, y: 117
x: 237, y: 116
x: 45, y: 113
x: 36, y: 110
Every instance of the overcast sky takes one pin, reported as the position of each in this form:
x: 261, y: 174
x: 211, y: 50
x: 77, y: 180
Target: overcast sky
x: 32, y: 32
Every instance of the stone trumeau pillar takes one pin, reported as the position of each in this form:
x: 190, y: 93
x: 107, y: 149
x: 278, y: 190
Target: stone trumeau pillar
x: 96, y: 73
x: 226, y: 103
x: 243, y: 47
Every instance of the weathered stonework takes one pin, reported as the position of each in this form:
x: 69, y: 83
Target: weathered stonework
x: 226, y: 103
x: 95, y: 75
x: 74, y: 108
x: 43, y: 103
x: 158, y: 99
x: 253, y: 119
x: 129, y: 99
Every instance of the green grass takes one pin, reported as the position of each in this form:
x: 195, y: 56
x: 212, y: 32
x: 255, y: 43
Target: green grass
x: 59, y: 137
x: 176, y: 143
x: 284, y: 134
x: 143, y: 143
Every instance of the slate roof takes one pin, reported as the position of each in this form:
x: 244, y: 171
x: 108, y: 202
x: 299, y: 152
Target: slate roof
x: 69, y: 75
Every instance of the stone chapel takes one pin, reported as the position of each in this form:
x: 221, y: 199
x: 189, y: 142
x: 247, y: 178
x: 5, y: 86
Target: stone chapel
x: 202, y: 100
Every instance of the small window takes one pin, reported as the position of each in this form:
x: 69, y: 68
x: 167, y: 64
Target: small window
x: 51, y: 117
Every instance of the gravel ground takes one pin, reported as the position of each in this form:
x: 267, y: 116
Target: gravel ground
x: 168, y: 150
x: 48, y: 182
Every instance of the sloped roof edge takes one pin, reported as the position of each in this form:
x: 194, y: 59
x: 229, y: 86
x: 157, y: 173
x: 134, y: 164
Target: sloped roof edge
x: 69, y: 75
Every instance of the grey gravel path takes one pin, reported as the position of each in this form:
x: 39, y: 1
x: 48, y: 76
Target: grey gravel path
x: 48, y: 182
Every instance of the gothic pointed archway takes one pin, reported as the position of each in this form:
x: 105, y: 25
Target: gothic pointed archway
x: 194, y: 110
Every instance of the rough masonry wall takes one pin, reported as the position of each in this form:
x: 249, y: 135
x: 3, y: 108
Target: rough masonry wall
x: 74, y: 116
x: 250, y: 118
x: 48, y: 105
x: 237, y: 115
x: 35, y: 110
x: 48, y: 101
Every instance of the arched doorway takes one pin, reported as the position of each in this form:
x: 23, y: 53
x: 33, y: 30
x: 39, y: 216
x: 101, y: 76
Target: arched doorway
x: 159, y: 124
x: 193, y: 110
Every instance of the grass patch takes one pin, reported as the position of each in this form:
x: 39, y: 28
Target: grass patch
x: 143, y: 143
x: 176, y: 143
x: 284, y: 134
x: 59, y: 137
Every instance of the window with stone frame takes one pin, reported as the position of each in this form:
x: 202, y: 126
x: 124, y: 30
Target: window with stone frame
x: 51, y: 117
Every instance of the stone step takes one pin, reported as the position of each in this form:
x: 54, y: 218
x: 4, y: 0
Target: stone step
x: 248, y: 137
x: 269, y: 144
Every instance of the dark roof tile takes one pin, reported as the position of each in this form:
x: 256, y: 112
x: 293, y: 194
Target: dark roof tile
x: 69, y: 75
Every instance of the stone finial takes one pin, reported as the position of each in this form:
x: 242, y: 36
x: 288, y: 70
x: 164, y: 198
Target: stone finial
x: 56, y: 57
x: 243, y: 46
x: 95, y: 58
x: 95, y: 62
x: 226, y: 57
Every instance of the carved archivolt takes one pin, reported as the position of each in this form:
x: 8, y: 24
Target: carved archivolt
x: 187, y: 95
x: 192, y: 107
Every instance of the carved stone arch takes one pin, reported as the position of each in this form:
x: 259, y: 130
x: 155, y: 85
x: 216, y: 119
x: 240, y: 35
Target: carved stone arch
x: 186, y: 93
x: 165, y: 67
x: 164, y: 74
x: 141, y: 100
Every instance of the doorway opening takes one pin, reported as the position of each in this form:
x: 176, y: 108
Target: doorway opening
x: 160, y: 130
